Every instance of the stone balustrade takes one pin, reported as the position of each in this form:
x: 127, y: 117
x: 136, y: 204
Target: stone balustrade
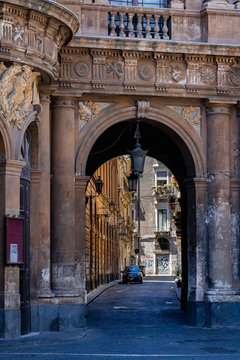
x: 140, y: 23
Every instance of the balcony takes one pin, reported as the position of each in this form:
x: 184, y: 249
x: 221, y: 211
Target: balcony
x: 163, y: 191
x: 140, y: 23
x: 126, y: 22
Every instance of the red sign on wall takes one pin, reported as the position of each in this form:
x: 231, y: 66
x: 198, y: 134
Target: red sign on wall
x: 14, y: 240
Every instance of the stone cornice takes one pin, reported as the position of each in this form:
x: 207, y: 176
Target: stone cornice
x: 186, y: 47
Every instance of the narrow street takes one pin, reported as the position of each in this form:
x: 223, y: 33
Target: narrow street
x: 136, y: 321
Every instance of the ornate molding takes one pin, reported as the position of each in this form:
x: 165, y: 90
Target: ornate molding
x: 87, y: 110
x: 142, y: 109
x: 33, y: 35
x: 160, y: 72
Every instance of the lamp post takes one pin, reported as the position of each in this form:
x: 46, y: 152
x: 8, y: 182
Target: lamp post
x: 138, y: 156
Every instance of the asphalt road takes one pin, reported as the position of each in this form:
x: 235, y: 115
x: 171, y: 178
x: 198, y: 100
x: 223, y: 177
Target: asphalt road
x: 137, y: 321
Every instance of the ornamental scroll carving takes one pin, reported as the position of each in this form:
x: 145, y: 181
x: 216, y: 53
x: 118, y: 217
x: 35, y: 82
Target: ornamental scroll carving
x: 18, y: 92
x: 87, y: 110
x: 191, y: 114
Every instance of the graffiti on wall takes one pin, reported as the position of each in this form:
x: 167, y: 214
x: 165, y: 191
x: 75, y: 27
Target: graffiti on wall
x: 147, y: 261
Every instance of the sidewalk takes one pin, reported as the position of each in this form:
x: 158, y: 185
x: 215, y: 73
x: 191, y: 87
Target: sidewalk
x: 91, y: 296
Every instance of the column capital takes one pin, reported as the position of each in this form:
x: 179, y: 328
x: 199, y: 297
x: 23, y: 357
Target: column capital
x: 199, y: 183
x: 45, y: 97
x: 81, y: 182
x: 63, y: 102
x: 11, y: 167
x: 218, y: 106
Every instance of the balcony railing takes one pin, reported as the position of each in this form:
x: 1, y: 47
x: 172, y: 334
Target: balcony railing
x: 140, y: 23
x: 143, y: 3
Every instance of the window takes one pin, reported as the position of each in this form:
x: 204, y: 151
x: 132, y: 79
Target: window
x: 164, y: 244
x: 161, y: 178
x: 162, y: 219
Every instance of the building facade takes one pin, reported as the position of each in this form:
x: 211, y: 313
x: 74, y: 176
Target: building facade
x: 160, y: 248
x: 102, y: 235
x: 75, y: 78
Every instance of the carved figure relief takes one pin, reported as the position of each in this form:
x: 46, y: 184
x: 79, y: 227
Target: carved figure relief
x: 207, y: 75
x: 17, y: 92
x: 87, y: 110
x: 39, y: 40
x: 82, y: 68
x: 145, y: 72
x: 115, y: 69
x: 235, y: 75
x: 18, y: 33
x: 177, y: 73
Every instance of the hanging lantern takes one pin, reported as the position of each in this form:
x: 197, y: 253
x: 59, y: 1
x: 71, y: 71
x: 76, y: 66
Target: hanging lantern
x: 138, y: 155
x: 132, y: 182
x: 99, y: 185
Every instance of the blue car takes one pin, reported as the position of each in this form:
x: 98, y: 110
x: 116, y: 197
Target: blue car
x: 132, y: 274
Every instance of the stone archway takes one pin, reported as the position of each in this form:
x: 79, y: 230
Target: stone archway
x: 161, y: 115
x: 184, y: 151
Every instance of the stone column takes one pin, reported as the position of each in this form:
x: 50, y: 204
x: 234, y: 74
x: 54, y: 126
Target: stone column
x: 80, y: 233
x: 222, y: 4
x: 219, y: 211
x: 10, y: 171
x: 44, y: 278
x: 63, y: 198
x: 196, y: 190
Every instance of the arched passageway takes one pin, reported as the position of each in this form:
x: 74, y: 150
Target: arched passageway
x: 165, y: 145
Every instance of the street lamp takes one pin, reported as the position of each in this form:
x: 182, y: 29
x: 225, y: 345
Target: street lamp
x: 132, y: 182
x: 99, y: 185
x: 138, y: 156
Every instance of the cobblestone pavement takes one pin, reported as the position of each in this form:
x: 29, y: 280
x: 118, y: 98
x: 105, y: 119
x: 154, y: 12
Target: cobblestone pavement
x: 136, y: 321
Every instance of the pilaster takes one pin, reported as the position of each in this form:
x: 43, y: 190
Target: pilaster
x: 80, y: 229
x: 43, y: 203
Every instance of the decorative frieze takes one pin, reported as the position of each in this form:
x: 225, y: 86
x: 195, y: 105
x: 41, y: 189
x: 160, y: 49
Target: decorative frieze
x: 131, y: 70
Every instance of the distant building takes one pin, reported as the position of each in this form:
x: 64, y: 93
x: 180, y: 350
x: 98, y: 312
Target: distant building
x: 160, y: 249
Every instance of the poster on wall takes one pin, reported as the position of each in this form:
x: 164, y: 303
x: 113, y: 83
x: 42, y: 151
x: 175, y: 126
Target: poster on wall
x: 14, y: 240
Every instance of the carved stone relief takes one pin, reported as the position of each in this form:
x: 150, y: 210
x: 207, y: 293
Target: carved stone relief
x: 87, y: 110
x: 177, y: 72
x: 145, y: 72
x: 142, y: 109
x: 235, y: 75
x: 191, y: 114
x: 18, y: 33
x: 82, y: 68
x: 18, y: 92
x: 208, y: 75
x: 115, y: 70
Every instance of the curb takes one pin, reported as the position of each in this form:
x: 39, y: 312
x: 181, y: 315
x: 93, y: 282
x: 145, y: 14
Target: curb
x: 100, y: 290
